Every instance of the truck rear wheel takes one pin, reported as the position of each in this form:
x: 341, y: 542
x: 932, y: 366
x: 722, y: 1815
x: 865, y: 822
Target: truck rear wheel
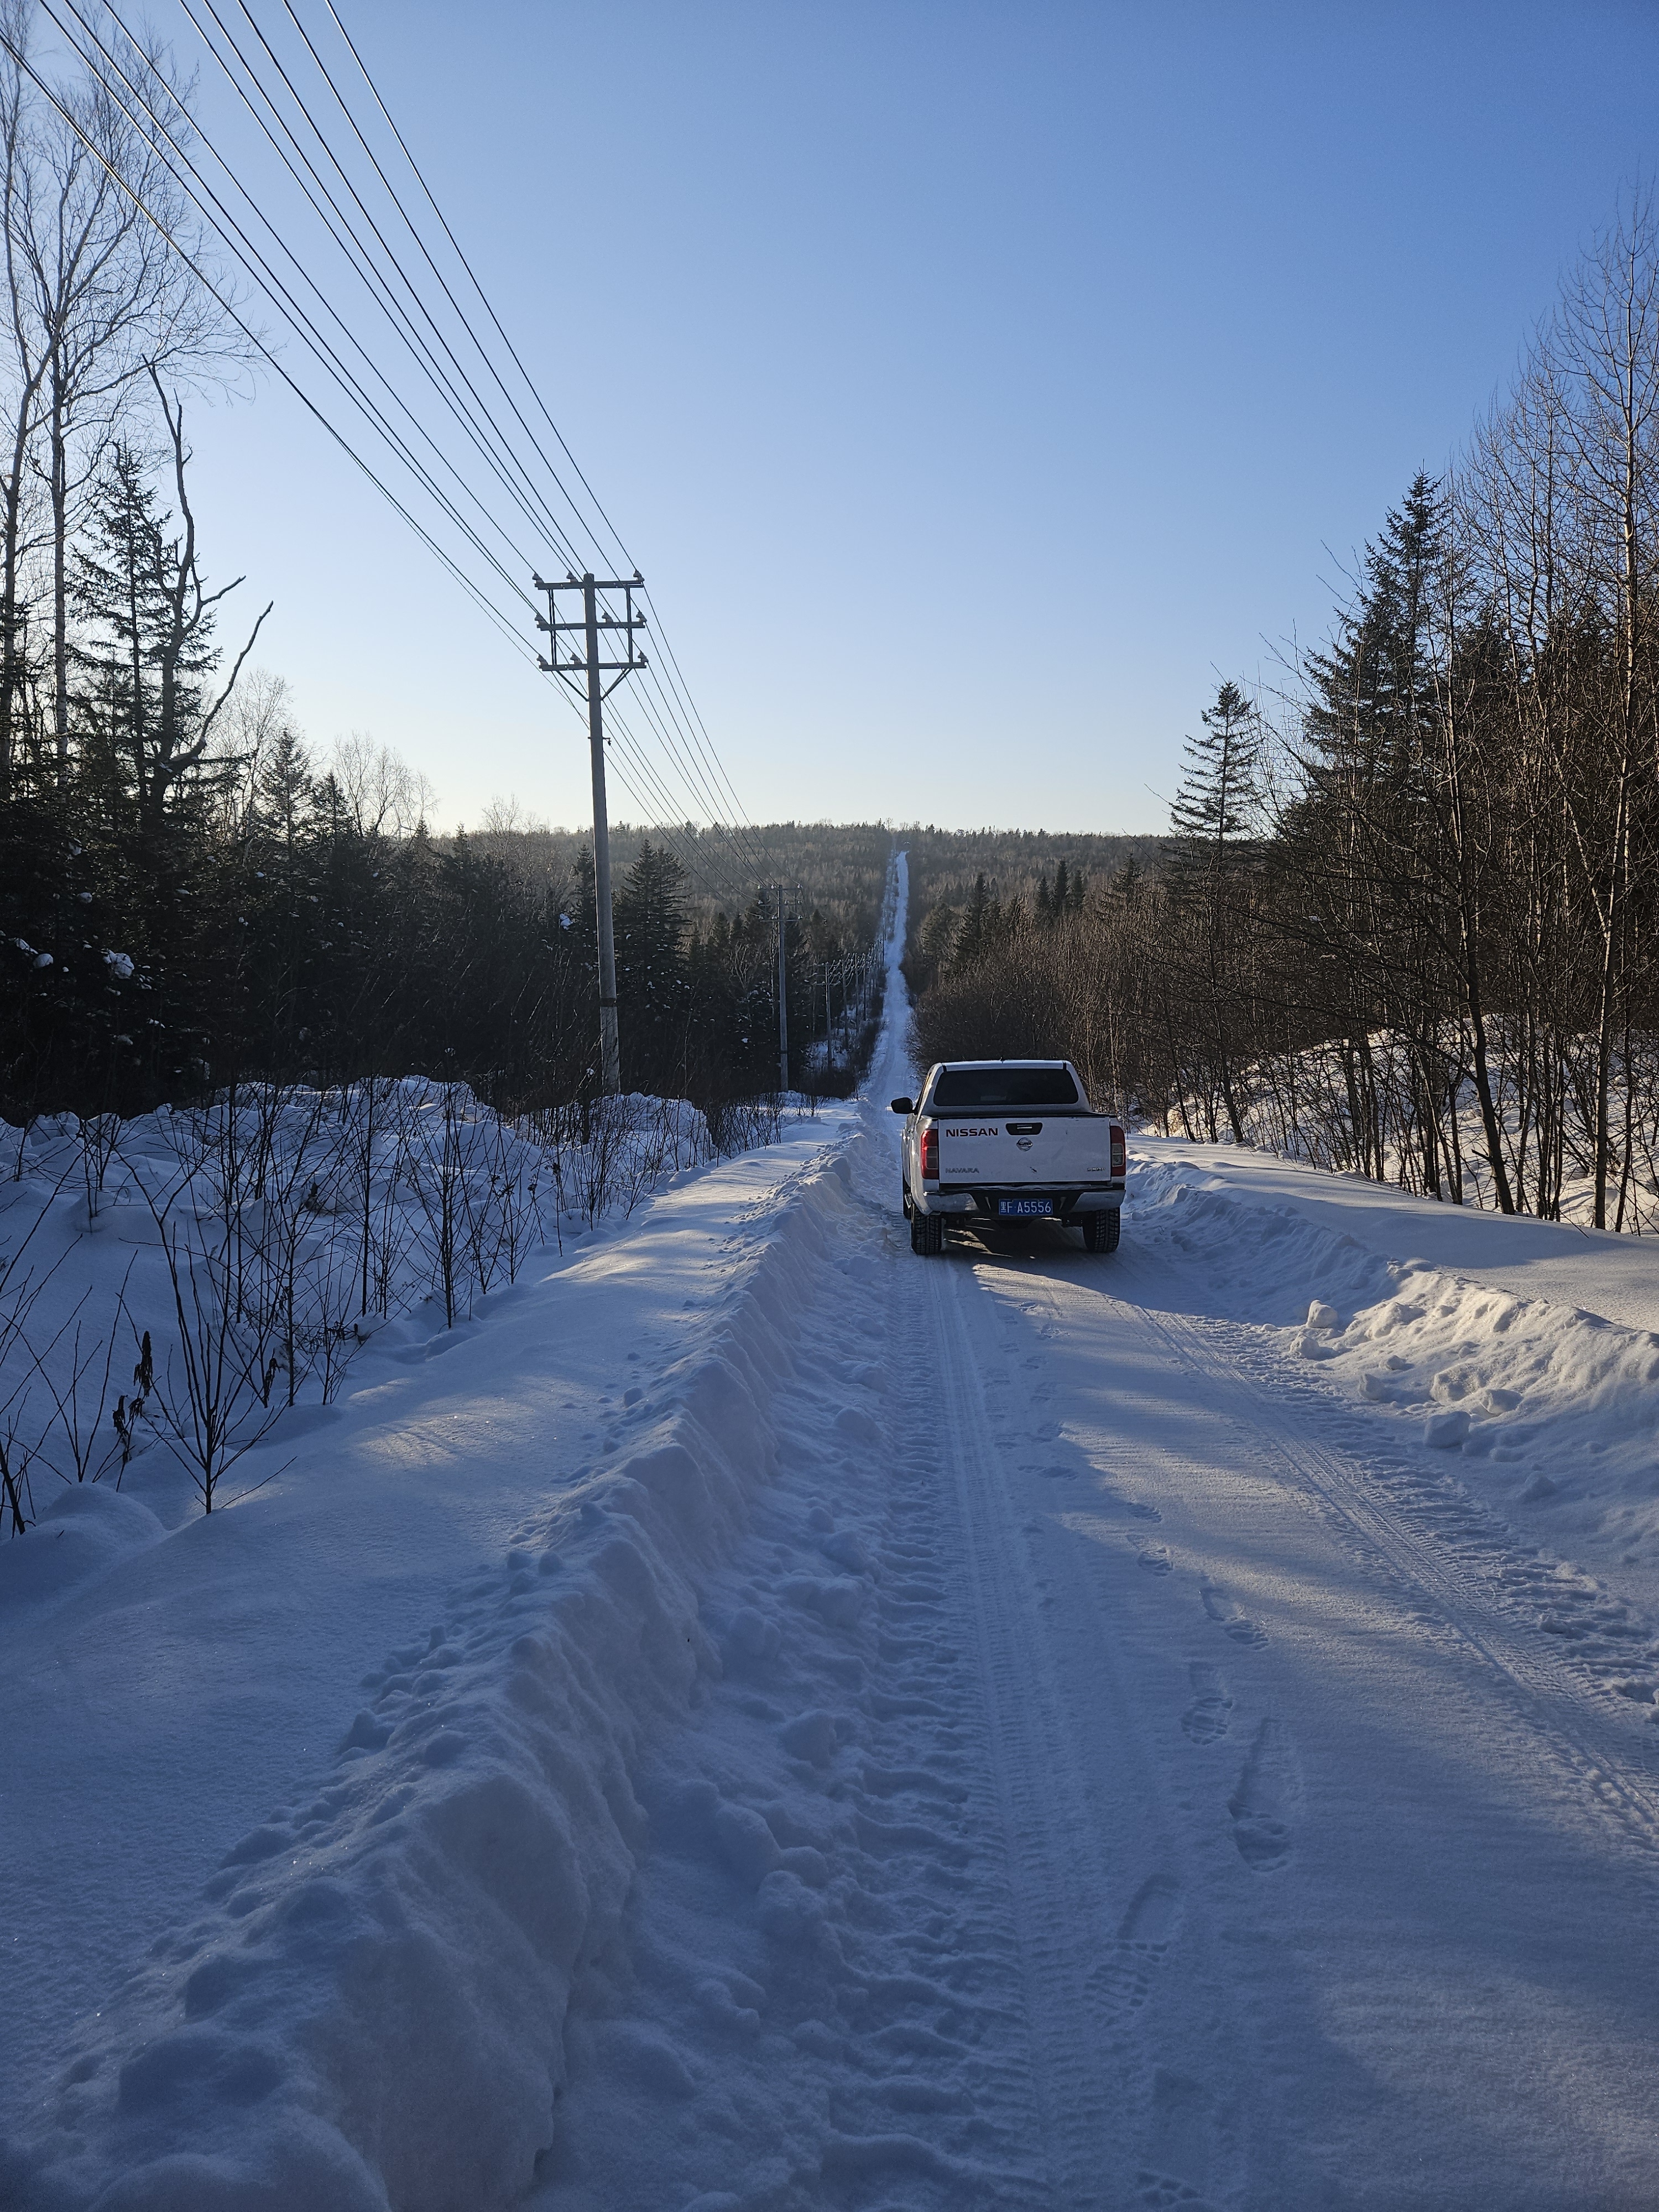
x: 904, y: 1194
x: 926, y: 1233
x: 1100, y: 1230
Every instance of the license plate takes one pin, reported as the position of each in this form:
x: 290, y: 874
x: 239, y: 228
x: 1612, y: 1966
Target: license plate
x: 1024, y: 1206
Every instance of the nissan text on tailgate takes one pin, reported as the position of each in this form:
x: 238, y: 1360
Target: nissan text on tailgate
x: 992, y: 1140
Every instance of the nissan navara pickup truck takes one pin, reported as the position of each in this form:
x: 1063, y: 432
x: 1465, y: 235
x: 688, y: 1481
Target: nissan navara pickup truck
x: 991, y: 1141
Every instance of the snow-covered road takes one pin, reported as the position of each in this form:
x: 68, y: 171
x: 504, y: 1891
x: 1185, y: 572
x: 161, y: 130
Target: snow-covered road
x: 1204, y: 1813
x: 1018, y: 1730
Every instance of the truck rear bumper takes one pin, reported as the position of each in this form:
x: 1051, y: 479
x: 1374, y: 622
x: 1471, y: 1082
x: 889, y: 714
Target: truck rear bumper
x: 981, y: 1201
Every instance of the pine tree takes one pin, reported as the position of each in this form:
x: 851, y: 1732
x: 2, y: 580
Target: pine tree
x: 970, y: 942
x: 285, y: 791
x: 1216, y: 817
x: 1365, y: 826
x: 583, y: 932
x: 1374, y: 686
x: 283, y: 914
x: 938, y: 932
x: 147, y: 624
x: 651, y: 963
x: 114, y: 596
x: 1217, y: 809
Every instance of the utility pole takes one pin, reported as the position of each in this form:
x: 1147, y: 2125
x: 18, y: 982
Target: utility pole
x: 568, y: 667
x: 783, y: 994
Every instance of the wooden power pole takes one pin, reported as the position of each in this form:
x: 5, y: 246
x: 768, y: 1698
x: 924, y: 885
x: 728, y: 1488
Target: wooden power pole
x: 783, y: 992
x: 568, y: 667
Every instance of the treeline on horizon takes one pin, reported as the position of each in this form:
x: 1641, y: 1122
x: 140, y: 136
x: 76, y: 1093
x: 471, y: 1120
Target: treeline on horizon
x: 295, y: 919
x: 1406, y: 919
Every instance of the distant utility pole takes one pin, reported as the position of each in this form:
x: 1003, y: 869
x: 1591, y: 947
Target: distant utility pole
x: 568, y: 667
x: 783, y: 992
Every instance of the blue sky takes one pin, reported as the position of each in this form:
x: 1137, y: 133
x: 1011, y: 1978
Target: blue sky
x: 973, y: 384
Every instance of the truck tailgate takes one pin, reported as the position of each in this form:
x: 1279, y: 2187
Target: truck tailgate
x: 1067, y: 1151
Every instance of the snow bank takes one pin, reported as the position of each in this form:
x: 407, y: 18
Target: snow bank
x: 1545, y: 1409
x: 367, y: 2011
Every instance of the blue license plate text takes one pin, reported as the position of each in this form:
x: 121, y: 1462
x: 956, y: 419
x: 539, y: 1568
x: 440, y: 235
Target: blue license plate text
x: 1024, y: 1205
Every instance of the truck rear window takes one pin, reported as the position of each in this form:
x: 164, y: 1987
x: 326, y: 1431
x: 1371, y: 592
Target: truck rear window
x: 966, y: 1090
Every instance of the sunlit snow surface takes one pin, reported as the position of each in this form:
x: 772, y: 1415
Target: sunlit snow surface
x: 761, y: 1719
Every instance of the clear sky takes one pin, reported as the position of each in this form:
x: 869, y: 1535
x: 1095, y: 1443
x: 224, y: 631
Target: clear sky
x: 973, y: 384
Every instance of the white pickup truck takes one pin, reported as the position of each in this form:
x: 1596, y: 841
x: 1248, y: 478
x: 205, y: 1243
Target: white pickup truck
x: 1005, y: 1141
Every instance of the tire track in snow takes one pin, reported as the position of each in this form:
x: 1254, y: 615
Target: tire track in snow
x: 1087, y: 1969
x: 1552, y: 1702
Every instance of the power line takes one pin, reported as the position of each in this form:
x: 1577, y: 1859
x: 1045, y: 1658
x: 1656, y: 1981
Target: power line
x: 498, y: 455
x: 697, y: 872
x: 258, y: 344
x: 628, y: 559
x: 208, y: 204
x: 686, y: 752
x: 693, y: 770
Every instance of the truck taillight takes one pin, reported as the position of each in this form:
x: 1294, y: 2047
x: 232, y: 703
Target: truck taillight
x: 1117, y: 1151
x: 929, y: 1152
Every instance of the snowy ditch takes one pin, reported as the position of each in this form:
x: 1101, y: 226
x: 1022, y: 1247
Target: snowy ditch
x: 367, y: 2008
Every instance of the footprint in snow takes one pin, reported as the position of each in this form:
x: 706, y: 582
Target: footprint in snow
x: 1144, y: 1934
x: 1110, y: 1501
x: 1180, y: 2141
x: 1206, y: 1718
x: 1264, y: 1804
x: 1230, y: 1617
x: 1155, y: 1560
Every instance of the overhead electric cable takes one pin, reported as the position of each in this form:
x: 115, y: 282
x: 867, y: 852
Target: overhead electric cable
x: 686, y: 754
x: 692, y: 773
x: 697, y: 790
x: 258, y: 344
x: 690, y: 861
x: 496, y: 450
x: 627, y: 558
x: 258, y: 267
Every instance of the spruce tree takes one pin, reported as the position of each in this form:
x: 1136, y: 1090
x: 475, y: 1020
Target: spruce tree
x: 970, y: 942
x: 1217, y: 816
x: 146, y: 647
x: 651, y: 965
x: 1216, y: 819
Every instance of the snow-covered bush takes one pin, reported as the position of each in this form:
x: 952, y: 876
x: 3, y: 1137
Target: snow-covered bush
x: 178, y: 1280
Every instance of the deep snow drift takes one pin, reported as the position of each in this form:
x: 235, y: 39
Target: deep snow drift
x: 761, y: 1722
x: 1524, y: 1352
